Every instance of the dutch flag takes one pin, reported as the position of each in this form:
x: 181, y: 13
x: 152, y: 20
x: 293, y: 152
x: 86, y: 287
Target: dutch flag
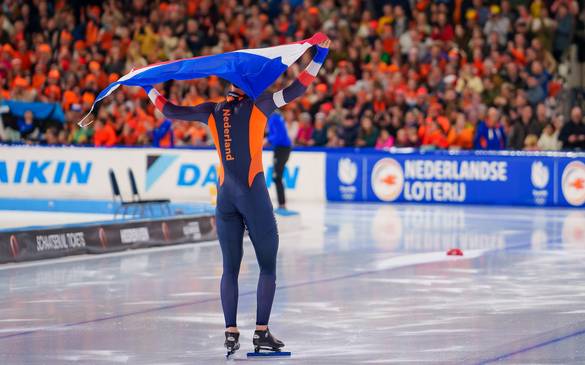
x: 252, y: 70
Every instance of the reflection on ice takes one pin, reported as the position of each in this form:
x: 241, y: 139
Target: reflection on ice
x: 357, y: 284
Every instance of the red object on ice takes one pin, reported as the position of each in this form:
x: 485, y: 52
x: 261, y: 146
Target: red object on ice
x: 455, y: 252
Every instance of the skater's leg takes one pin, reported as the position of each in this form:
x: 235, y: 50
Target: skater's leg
x: 230, y: 231
x: 281, y: 155
x: 265, y: 240
x: 259, y: 218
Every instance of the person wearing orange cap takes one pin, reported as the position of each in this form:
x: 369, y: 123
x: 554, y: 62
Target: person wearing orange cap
x: 21, y: 89
x: 90, y: 81
x: 87, y: 98
x: 7, y: 47
x: 70, y: 97
x: 44, y: 48
x: 322, y: 88
x: 54, y: 74
x: 100, y: 76
x: 52, y: 90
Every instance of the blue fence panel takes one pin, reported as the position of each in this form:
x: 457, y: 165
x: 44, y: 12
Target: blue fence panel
x: 510, y: 178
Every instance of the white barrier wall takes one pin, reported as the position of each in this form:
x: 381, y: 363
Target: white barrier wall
x: 181, y: 175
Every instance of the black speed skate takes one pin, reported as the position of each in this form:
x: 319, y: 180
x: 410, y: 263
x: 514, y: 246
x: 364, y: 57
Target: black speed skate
x: 263, y: 340
x: 232, y: 343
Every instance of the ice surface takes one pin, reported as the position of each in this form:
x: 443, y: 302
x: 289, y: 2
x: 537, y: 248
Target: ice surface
x: 357, y: 284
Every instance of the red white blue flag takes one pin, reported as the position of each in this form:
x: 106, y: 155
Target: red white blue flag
x: 252, y: 70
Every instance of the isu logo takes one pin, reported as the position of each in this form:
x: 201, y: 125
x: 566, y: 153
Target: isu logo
x: 387, y: 179
x: 573, y: 183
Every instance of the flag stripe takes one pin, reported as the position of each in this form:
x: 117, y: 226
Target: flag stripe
x: 278, y: 98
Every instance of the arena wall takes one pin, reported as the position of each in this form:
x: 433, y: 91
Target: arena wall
x: 504, y: 178
x: 177, y: 174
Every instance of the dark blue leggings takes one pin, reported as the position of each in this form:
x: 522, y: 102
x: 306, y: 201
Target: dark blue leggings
x: 251, y: 209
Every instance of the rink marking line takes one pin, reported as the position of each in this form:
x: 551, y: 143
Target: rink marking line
x: 217, y: 298
x: 528, y: 348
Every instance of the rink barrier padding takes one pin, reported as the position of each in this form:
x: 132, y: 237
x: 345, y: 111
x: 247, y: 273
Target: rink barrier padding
x: 181, y: 175
x: 94, y: 238
x: 510, y: 178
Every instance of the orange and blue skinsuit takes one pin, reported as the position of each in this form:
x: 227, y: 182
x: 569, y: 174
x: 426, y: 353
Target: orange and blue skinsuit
x: 237, y: 126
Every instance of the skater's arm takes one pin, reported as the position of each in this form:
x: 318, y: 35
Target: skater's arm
x: 268, y: 102
x: 199, y: 113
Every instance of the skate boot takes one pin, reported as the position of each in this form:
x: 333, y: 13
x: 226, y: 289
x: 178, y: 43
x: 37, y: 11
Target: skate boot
x: 232, y: 343
x: 263, y: 340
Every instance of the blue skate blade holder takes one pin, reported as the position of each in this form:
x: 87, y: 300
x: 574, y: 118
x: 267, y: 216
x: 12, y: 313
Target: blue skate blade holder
x: 270, y: 354
x: 285, y: 212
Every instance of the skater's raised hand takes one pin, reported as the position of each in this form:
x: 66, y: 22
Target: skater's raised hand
x: 325, y: 44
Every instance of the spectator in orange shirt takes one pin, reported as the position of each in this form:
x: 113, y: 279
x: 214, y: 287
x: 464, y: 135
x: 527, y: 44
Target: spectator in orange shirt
x: 434, y: 136
x: 344, y: 78
x: 104, y: 134
x: 39, y: 77
x: 100, y: 76
x: 53, y: 91
x: 21, y: 90
x: 198, y: 134
x: 128, y: 136
x: 461, y: 134
x: 24, y: 55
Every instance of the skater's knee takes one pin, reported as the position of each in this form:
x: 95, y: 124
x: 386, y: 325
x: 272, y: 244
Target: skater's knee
x: 267, y: 261
x: 231, y: 272
x: 268, y: 269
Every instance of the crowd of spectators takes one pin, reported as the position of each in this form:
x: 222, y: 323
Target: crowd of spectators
x: 458, y: 74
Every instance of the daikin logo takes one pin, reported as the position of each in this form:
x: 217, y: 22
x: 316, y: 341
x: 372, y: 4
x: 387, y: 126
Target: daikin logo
x: 156, y: 165
x: 44, y: 172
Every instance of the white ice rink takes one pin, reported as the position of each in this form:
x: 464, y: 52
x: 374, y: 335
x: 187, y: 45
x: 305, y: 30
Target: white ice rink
x: 357, y: 284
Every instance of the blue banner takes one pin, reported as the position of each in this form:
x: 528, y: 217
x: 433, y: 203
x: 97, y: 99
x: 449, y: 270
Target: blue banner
x: 457, y: 178
x: 41, y: 111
